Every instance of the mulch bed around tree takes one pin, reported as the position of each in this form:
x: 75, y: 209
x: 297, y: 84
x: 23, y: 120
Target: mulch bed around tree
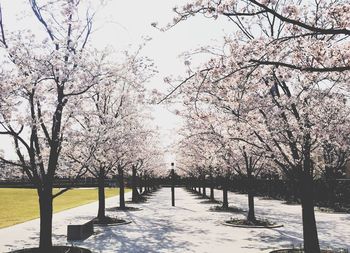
x: 251, y: 224
x: 302, y: 251
x: 195, y: 194
x: 229, y: 209
x: 210, y: 201
x: 202, y: 197
x: 109, y: 221
x: 55, y: 249
x: 127, y: 208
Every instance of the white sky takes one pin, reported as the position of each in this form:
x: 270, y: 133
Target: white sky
x: 126, y: 22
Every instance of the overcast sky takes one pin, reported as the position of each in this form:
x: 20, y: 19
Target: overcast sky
x: 121, y: 23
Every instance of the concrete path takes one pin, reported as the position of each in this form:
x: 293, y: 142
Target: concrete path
x: 188, y: 227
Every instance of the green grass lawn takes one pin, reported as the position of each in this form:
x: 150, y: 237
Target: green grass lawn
x: 20, y: 205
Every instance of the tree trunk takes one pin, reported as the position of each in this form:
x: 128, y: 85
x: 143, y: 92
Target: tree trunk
x: 101, y: 197
x: 224, y: 185
x: 212, y: 198
x: 251, y: 211
x: 203, y: 182
x: 311, y: 243
x: 121, y: 189
x: 45, y: 204
x: 135, y: 194
x: 224, y: 197
x: 251, y: 192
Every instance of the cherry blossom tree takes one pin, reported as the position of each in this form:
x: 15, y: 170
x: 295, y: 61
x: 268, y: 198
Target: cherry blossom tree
x: 148, y: 160
x: 143, y: 155
x: 246, y: 160
x: 101, y: 131
x: 108, y: 126
x: 40, y: 79
x: 222, y: 137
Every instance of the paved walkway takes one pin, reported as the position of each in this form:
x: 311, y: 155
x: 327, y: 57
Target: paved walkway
x: 188, y: 227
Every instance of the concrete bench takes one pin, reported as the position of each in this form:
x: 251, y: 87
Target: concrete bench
x: 80, y: 232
